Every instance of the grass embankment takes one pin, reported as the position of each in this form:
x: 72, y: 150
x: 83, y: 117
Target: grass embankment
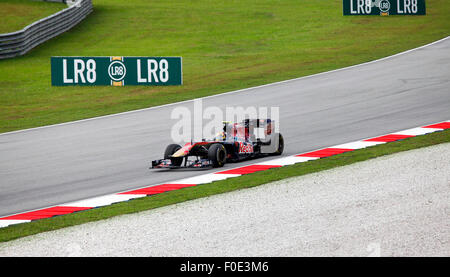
x: 17, y: 14
x: 246, y: 181
x: 225, y: 45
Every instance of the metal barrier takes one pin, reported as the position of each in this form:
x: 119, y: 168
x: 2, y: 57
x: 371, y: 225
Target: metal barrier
x: 20, y: 42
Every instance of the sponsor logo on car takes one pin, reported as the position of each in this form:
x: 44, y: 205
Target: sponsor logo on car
x: 245, y: 148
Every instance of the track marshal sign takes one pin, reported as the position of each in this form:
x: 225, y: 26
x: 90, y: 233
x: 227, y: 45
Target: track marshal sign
x: 384, y: 7
x: 116, y: 71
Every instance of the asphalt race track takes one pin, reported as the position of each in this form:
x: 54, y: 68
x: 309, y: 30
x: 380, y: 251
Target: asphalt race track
x: 62, y: 163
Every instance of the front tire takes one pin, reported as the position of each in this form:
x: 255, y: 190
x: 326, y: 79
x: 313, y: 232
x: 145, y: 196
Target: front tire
x: 217, y: 154
x: 170, y: 150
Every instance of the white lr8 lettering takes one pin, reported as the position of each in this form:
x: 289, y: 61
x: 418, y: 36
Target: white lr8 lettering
x: 82, y: 72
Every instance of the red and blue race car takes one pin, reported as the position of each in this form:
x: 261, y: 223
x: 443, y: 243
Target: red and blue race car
x: 251, y: 138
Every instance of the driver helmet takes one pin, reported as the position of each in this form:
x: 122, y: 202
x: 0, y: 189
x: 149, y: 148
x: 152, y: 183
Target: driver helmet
x: 220, y: 136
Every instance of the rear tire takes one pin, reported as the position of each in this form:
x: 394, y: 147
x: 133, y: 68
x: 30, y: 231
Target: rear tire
x: 217, y: 155
x: 170, y: 150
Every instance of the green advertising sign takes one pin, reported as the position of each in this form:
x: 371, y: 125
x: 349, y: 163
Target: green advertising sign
x: 116, y: 71
x: 384, y: 7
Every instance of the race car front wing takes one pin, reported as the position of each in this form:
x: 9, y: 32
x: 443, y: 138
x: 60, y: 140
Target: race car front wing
x: 167, y: 163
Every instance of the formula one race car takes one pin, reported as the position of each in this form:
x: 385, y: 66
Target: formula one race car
x: 252, y: 138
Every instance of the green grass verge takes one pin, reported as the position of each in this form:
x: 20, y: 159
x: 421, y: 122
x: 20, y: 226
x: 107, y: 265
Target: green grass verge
x: 225, y: 45
x: 242, y: 182
x: 17, y: 14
